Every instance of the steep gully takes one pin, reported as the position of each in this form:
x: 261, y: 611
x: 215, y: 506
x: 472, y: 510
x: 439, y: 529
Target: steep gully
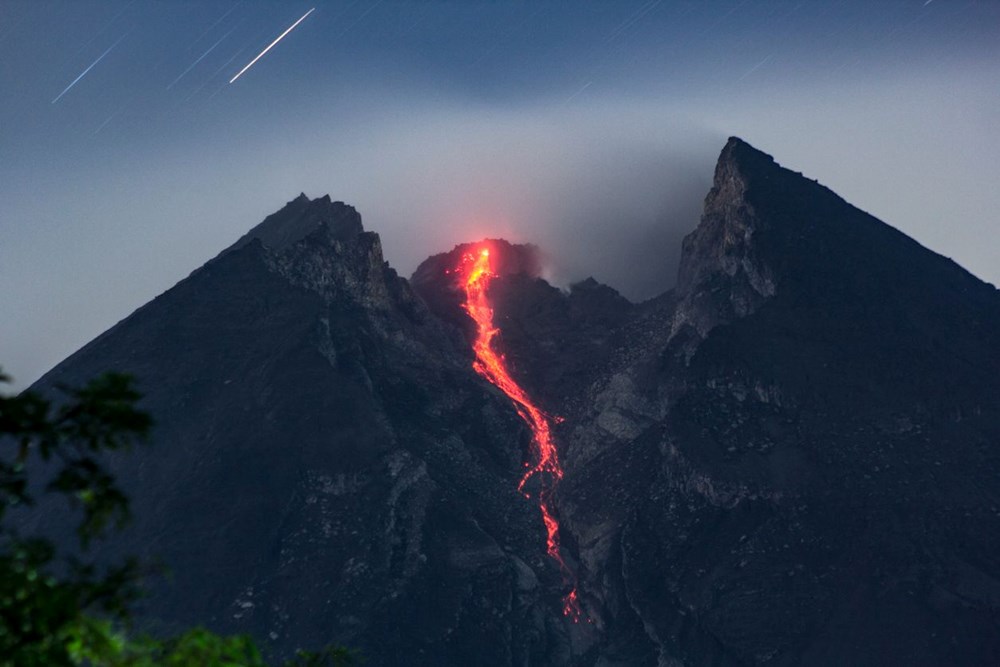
x: 475, y: 273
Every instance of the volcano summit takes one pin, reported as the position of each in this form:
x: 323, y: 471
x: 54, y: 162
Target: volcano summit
x: 793, y: 457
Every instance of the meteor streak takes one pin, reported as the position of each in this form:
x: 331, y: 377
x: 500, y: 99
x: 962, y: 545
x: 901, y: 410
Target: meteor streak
x: 200, y: 58
x: 476, y: 272
x: 269, y: 46
x: 217, y: 22
x: 212, y: 78
x: 90, y: 67
x: 104, y: 29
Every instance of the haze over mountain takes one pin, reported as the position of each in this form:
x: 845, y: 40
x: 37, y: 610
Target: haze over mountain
x: 589, y: 128
x: 789, y: 458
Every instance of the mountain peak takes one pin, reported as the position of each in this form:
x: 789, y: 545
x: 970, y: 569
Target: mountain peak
x: 739, y: 164
x: 739, y: 152
x: 767, y: 231
x: 508, y: 259
x: 722, y: 274
x: 302, y: 217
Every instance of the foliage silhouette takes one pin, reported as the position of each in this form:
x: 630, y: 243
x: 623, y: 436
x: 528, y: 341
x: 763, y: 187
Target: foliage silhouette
x: 59, y: 609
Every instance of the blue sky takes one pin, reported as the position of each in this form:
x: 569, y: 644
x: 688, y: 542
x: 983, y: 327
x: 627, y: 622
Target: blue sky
x: 588, y: 128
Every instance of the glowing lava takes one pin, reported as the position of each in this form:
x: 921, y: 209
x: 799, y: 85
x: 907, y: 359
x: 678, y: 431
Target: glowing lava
x: 476, y: 273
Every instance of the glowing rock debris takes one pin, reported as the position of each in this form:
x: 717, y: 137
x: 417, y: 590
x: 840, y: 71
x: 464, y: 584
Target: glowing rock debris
x: 476, y: 273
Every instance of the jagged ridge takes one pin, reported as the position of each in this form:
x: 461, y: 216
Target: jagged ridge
x: 790, y: 459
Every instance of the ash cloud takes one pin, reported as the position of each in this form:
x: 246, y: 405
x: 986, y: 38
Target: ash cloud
x: 607, y: 192
x: 621, y: 213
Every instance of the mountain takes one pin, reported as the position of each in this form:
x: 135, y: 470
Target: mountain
x: 793, y: 457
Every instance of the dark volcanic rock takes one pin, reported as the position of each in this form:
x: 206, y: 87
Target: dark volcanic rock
x: 300, y: 218
x: 555, y: 343
x: 792, y: 458
x: 806, y: 470
x: 326, y: 466
x: 436, y: 282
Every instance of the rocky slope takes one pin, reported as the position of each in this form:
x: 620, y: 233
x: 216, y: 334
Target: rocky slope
x: 325, y: 464
x: 791, y: 458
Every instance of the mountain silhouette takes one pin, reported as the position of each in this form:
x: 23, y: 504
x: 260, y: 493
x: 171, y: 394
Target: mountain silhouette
x: 792, y: 457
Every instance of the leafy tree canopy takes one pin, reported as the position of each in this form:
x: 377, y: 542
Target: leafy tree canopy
x: 60, y: 609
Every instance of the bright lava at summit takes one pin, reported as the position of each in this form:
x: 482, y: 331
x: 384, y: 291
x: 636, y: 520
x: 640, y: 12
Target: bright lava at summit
x: 476, y: 273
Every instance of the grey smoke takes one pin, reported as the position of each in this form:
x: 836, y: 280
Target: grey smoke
x: 606, y: 193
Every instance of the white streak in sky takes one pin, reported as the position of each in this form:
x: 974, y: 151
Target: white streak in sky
x: 106, y: 121
x: 269, y: 46
x: 573, y: 96
x: 200, y: 58
x: 756, y: 67
x: 217, y: 22
x: 211, y: 78
x: 102, y: 30
x: 358, y: 20
x: 84, y: 72
x: 632, y: 20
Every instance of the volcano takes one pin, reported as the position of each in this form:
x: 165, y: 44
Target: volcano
x: 792, y: 457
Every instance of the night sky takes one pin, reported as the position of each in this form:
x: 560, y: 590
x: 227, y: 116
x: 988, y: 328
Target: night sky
x: 127, y: 159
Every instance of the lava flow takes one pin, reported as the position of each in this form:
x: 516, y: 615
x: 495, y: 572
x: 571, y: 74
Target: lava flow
x: 476, y: 273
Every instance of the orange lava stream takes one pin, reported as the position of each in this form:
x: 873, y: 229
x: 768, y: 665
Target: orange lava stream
x: 476, y: 273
